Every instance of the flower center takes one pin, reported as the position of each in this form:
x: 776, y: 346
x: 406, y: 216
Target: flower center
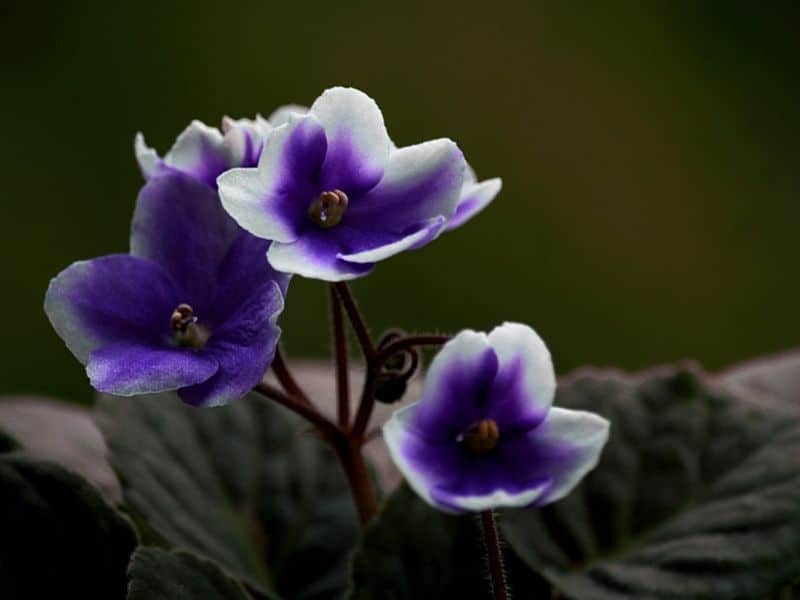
x: 328, y: 208
x: 187, y: 332
x: 482, y: 437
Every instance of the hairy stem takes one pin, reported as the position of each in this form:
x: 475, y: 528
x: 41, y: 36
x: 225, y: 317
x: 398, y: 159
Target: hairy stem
x: 494, y: 555
x: 286, y: 379
x: 356, y: 320
x: 340, y: 356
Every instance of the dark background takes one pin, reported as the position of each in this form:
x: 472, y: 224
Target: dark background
x: 649, y: 153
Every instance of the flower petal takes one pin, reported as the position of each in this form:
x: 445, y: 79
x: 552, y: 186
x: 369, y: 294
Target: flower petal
x: 315, y: 255
x: 451, y: 478
x: 526, y: 382
x: 473, y: 199
x: 243, y: 140
x: 422, y: 182
x: 576, y: 436
x: 283, y: 114
x: 129, y: 369
x: 198, y: 151
x: 429, y: 231
x: 455, y: 387
x: 148, y: 159
x: 180, y: 224
x: 117, y: 298
x: 243, y: 271
x: 272, y: 200
x: 243, y: 347
x: 358, y: 143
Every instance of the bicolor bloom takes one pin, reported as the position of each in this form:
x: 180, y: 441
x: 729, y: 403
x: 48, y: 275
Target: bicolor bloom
x: 474, y: 196
x: 193, y: 307
x: 335, y: 196
x: 484, y: 434
x: 205, y: 152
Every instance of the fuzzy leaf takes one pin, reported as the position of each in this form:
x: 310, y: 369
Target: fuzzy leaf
x: 58, y: 537
x: 697, y: 495
x: 246, y: 485
x: 156, y: 574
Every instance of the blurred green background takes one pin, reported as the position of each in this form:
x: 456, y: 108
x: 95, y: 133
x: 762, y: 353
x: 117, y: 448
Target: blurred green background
x: 649, y: 153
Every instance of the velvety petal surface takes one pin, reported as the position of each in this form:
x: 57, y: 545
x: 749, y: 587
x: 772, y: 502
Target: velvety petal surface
x: 272, y: 200
x: 316, y: 255
x: 523, y: 390
x: 128, y: 369
x: 180, y: 224
x: 243, y: 346
x: 421, y: 182
x: 358, y: 143
x: 243, y: 140
x: 455, y: 389
x: 198, y: 151
x: 428, y: 231
x: 108, y: 300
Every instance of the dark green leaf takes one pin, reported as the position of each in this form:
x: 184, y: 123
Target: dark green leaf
x: 697, y: 495
x: 246, y: 485
x: 412, y: 551
x: 156, y: 574
x: 58, y: 537
x: 63, y: 433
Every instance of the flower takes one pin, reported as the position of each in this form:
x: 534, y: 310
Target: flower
x: 205, y: 152
x: 484, y: 434
x: 193, y: 307
x: 335, y: 196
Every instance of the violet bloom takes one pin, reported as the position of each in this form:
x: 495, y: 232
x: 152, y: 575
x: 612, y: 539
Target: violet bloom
x: 474, y: 197
x: 335, y: 196
x: 484, y: 434
x: 193, y: 307
x: 205, y: 152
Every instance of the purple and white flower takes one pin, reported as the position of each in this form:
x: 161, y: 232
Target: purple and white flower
x: 205, y: 152
x: 192, y: 308
x: 484, y: 434
x: 334, y: 194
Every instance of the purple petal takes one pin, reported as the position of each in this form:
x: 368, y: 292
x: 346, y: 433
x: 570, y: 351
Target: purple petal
x: 474, y: 198
x: 272, y: 200
x: 453, y: 397
x: 244, y: 271
x: 128, y: 369
x: 427, y: 231
x: 525, y: 384
x: 199, y: 152
x: 358, y: 144
x: 422, y: 182
x: 243, y: 347
x: 180, y: 224
x: 110, y: 299
x: 315, y: 255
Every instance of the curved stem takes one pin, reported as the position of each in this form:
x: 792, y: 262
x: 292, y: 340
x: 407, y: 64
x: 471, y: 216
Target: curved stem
x: 286, y: 379
x: 406, y: 342
x: 340, y: 354
x: 494, y: 555
x: 356, y: 320
x: 305, y: 410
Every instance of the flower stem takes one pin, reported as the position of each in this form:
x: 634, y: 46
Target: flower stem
x: 494, y: 555
x: 305, y: 410
x: 350, y: 456
x: 340, y: 354
x: 356, y: 320
x: 286, y: 379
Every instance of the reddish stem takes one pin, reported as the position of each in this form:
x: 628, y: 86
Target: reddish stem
x: 340, y: 354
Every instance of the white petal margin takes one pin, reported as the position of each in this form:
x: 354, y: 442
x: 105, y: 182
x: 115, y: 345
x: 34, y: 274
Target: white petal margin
x: 192, y: 145
x: 245, y: 193
x: 146, y: 157
x: 473, y: 199
x: 429, y: 232
x: 283, y: 114
x: 515, y: 342
x: 395, y: 432
x: 499, y: 499
x: 350, y: 112
x: 585, y: 432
